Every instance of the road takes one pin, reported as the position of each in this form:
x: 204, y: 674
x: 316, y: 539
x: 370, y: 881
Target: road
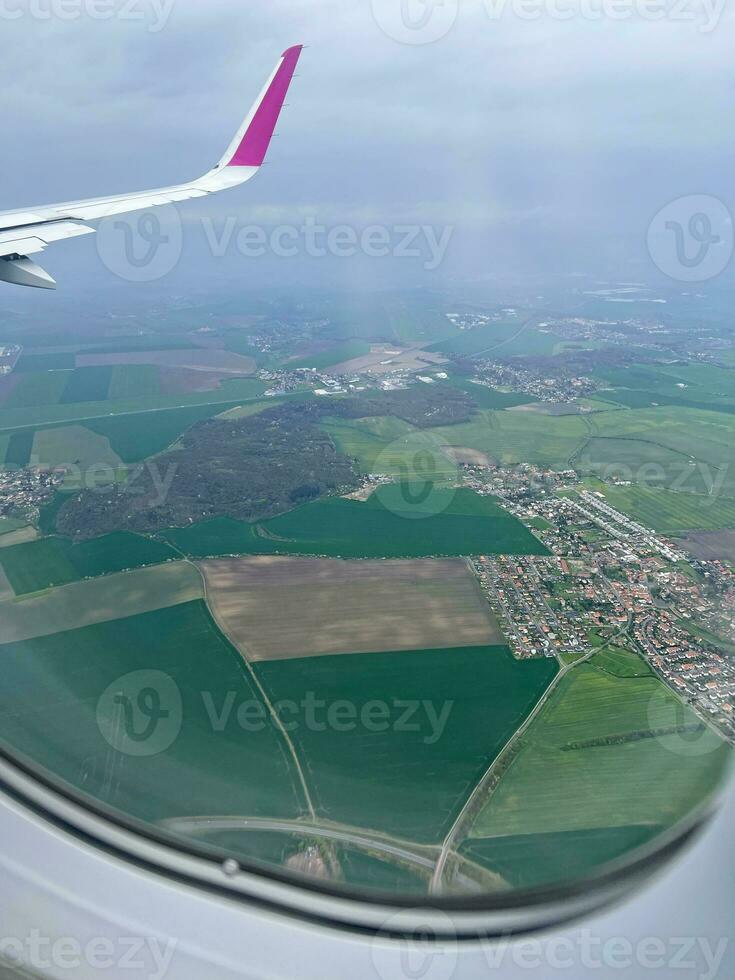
x: 449, y: 840
x: 192, y: 825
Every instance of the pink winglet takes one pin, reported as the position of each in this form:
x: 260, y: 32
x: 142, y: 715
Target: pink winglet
x: 254, y: 146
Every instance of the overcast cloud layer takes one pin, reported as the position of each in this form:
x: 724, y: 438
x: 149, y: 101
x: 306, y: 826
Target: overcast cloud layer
x: 545, y: 144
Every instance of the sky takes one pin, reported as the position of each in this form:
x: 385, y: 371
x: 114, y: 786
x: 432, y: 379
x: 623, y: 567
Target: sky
x: 516, y: 137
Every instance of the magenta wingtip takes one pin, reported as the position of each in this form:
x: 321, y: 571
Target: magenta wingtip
x: 255, y: 141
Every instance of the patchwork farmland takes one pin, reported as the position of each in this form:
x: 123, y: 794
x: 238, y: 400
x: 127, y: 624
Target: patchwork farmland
x: 99, y: 600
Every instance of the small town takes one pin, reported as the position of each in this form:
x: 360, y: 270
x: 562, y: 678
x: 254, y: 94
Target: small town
x: 610, y: 579
x: 24, y: 491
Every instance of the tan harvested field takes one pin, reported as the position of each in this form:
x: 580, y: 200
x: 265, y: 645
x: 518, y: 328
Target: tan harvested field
x: 275, y: 608
x: 22, y: 536
x: 220, y: 361
x: 99, y: 600
x: 472, y: 457
x: 184, y: 381
x: 6, y: 591
x: 710, y: 545
x: 385, y: 359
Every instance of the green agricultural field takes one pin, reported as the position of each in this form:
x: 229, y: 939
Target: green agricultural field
x: 8, y: 524
x: 562, y: 857
x: 717, y: 382
x: 367, y: 870
x: 31, y: 363
x: 393, y: 447
x: 42, y: 388
x: 233, y: 391
x: 99, y: 600
x: 529, y: 342
x: 134, y: 381
x: 410, y: 783
x: 469, y: 343
x: 335, y: 355
x: 18, y: 449
x: 621, y: 662
x: 561, y: 782
x: 703, y: 441
x: 651, y: 464
x: 136, y: 437
x: 107, y: 440
x: 83, y: 451
x: 669, y: 512
x: 491, y: 398
x: 698, y: 385
x: 51, y: 562
x: 54, y: 694
x: 255, y: 408
x: 413, y: 320
x: 521, y: 437
x: 151, y: 342
x: 87, y: 384
x: 388, y: 525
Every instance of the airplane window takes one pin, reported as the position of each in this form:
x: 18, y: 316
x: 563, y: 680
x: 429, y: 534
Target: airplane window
x: 371, y: 527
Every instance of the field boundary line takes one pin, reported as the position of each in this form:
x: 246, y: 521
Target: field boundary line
x: 256, y: 681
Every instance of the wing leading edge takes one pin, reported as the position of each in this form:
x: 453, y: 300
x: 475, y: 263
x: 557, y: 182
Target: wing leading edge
x: 29, y: 231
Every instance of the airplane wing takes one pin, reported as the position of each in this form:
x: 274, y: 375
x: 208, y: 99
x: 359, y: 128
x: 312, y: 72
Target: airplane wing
x: 28, y: 231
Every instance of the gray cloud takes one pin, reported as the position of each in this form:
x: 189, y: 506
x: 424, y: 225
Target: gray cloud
x: 548, y: 144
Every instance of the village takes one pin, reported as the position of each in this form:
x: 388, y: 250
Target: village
x: 609, y: 578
